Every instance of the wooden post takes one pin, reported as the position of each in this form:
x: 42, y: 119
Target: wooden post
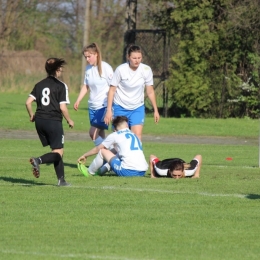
x: 85, y: 38
x: 130, y: 15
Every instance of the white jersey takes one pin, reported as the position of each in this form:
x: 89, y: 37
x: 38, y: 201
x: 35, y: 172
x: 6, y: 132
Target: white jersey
x: 129, y: 149
x: 130, y: 85
x: 98, y: 86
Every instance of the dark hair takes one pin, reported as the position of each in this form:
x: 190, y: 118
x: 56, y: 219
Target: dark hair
x: 93, y: 48
x: 133, y: 48
x: 53, y: 64
x: 176, y: 165
x: 118, y: 120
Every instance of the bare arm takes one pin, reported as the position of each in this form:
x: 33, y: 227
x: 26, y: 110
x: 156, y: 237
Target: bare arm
x: 82, y: 93
x: 65, y: 112
x: 197, y: 173
x: 110, y: 98
x: 152, y: 166
x: 151, y: 95
x: 28, y: 105
x: 93, y: 151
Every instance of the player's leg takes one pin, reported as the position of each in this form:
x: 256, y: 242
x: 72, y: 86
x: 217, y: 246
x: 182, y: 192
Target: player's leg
x: 136, y: 121
x: 98, y: 126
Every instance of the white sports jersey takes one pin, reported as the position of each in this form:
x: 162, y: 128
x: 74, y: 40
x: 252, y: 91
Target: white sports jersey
x: 129, y: 149
x: 130, y: 85
x: 98, y: 86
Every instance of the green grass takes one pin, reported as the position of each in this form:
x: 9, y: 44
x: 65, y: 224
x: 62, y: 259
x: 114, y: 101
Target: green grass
x: 214, y: 217
x: 14, y: 116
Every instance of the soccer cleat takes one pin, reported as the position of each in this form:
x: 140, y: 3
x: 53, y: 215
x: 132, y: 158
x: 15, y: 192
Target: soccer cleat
x: 35, y: 167
x: 62, y: 182
x: 83, y: 169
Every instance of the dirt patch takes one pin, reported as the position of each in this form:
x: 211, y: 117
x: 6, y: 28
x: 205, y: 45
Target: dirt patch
x: 178, y: 139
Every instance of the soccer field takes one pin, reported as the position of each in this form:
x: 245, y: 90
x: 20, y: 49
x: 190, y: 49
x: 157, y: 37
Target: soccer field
x: 214, y: 217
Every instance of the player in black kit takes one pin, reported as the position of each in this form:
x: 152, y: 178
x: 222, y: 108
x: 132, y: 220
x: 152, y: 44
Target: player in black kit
x: 51, y: 96
x: 175, y: 168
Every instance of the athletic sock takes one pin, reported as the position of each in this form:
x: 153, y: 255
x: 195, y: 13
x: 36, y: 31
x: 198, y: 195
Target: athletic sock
x: 59, y: 168
x: 105, y: 168
x: 49, y: 158
x: 96, y: 163
x: 98, y: 141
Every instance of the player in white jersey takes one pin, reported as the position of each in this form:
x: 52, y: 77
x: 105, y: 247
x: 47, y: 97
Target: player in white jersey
x: 126, y: 93
x: 98, y: 75
x: 129, y: 161
x: 175, y: 167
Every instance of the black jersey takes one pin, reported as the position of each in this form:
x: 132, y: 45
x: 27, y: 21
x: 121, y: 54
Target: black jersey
x: 162, y: 167
x: 165, y: 164
x: 49, y: 94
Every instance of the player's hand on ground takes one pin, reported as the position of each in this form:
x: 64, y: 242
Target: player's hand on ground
x: 108, y: 117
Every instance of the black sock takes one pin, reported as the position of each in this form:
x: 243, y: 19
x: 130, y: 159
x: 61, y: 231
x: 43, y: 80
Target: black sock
x: 49, y: 158
x: 59, y: 168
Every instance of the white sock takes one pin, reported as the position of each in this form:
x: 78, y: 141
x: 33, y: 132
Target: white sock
x: 96, y: 163
x: 98, y: 141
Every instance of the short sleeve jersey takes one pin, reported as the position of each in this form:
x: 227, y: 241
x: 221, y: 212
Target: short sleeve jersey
x: 130, y: 85
x: 162, y: 167
x: 98, y: 86
x: 49, y: 94
x: 129, y: 149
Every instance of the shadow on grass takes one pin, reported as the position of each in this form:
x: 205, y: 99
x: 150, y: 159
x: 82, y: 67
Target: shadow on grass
x: 71, y: 165
x: 21, y: 181
x: 253, y: 196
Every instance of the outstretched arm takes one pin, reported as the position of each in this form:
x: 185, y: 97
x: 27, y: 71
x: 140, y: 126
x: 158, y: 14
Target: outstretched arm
x: 197, y: 173
x: 82, y: 93
x: 93, y: 151
x: 152, y: 171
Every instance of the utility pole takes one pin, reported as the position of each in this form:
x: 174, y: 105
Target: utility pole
x: 86, y: 37
x: 130, y: 14
x: 130, y: 24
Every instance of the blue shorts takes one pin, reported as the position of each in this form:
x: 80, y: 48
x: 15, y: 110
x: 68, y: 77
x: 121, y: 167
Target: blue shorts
x: 135, y: 117
x: 115, y: 164
x: 96, y: 118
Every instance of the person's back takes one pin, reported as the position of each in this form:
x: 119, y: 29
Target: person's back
x: 129, y: 149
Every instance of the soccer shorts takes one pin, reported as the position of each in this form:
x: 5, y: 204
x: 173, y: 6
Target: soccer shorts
x: 116, y: 167
x: 96, y: 118
x: 50, y: 132
x: 135, y: 117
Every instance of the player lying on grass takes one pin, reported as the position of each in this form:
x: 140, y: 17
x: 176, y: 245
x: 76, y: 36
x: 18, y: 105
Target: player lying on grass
x: 175, y: 167
x: 129, y: 161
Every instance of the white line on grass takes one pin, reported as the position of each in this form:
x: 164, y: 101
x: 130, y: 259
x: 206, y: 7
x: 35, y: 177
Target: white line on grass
x: 138, y: 190
x: 86, y: 256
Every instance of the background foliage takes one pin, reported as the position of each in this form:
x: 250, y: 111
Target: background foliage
x: 214, y: 47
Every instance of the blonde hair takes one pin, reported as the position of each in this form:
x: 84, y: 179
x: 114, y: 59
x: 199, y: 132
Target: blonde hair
x: 93, y: 48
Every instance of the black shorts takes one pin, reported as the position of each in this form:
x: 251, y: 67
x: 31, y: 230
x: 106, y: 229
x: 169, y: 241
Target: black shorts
x: 50, y: 132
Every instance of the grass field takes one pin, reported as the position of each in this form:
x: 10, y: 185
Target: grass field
x: 213, y: 217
